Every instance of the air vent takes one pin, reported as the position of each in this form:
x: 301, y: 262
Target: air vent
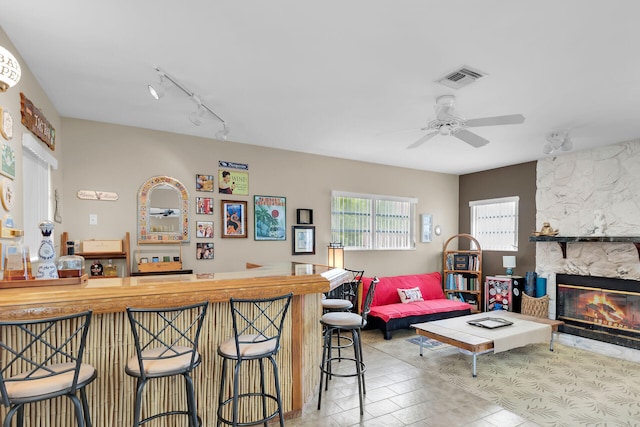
x: 461, y: 77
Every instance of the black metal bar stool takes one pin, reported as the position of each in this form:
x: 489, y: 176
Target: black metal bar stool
x: 344, y: 298
x: 346, y: 321
x: 257, y: 326
x: 166, y: 341
x: 42, y: 360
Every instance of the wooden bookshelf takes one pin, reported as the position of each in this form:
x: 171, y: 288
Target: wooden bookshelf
x: 463, y: 271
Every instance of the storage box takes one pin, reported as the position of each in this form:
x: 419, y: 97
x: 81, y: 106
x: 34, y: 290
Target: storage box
x: 149, y: 267
x: 101, y: 246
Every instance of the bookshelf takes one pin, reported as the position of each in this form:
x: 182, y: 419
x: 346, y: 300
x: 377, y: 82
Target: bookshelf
x: 463, y: 271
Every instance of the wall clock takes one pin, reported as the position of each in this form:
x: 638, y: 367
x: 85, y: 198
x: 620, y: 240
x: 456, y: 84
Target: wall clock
x: 6, y: 127
x: 8, y: 194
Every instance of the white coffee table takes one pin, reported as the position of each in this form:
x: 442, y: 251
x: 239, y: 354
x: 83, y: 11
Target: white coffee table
x: 476, y: 340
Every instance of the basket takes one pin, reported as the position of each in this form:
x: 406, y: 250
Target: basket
x: 536, y: 307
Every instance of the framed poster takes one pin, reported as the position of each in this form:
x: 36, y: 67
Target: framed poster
x: 270, y: 218
x: 204, y: 205
x: 204, y: 182
x: 304, y: 240
x: 8, y: 161
x: 233, y: 182
x: 233, y: 218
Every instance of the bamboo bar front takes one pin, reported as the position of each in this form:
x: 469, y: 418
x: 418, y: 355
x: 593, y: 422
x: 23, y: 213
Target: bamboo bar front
x: 110, y: 342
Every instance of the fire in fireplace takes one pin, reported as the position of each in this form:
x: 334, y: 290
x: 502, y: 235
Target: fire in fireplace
x: 600, y: 308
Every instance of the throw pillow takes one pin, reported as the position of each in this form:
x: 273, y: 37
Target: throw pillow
x: 410, y: 295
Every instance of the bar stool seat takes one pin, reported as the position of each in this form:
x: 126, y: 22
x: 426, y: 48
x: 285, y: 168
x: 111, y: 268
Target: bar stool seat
x: 336, y: 304
x: 39, y: 365
x: 257, y: 327
x: 166, y: 342
x: 345, y: 321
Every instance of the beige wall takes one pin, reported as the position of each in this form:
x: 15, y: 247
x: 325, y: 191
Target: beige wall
x: 99, y: 156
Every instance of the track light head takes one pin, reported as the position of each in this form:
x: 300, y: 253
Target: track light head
x: 157, y: 90
x: 223, y: 133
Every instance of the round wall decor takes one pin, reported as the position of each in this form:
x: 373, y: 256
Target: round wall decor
x: 8, y: 194
x: 6, y: 127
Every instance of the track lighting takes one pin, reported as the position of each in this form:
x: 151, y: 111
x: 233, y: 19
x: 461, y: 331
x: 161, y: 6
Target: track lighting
x: 200, y: 114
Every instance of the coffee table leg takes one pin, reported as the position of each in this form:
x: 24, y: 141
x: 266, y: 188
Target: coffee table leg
x: 421, y: 338
x: 551, y: 342
x: 474, y: 364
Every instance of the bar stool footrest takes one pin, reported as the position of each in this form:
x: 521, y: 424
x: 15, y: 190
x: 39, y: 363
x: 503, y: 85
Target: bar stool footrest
x: 249, y: 396
x: 327, y: 369
x: 168, y: 414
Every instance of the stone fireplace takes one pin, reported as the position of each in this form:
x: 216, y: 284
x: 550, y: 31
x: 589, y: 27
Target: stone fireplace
x: 600, y: 308
x: 593, y: 198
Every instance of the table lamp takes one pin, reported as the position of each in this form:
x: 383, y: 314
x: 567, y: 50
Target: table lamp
x: 509, y: 262
x: 336, y: 255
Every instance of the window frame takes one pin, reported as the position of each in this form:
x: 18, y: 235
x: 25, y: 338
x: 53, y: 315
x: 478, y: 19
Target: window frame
x: 374, y: 244
x: 494, y: 201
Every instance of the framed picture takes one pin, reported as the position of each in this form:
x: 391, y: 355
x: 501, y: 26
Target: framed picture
x: 233, y: 182
x: 233, y: 217
x: 144, y: 260
x: 270, y: 221
x: 155, y: 259
x: 204, y: 228
x: 8, y: 161
x: 204, y: 250
x: 204, y: 182
x: 426, y: 222
x: 204, y: 205
x: 304, y: 216
x: 304, y: 240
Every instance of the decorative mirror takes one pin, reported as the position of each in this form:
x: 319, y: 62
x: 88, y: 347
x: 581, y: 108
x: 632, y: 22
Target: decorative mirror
x: 163, y: 211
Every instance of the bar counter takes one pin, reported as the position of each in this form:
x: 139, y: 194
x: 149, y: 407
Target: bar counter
x: 110, y: 343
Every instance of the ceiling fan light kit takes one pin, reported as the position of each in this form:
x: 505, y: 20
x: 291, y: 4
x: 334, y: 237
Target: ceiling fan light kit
x: 449, y: 124
x: 198, y: 116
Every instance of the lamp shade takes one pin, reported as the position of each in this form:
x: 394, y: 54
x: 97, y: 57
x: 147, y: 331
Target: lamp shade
x: 9, y: 70
x: 336, y: 255
x: 509, y: 261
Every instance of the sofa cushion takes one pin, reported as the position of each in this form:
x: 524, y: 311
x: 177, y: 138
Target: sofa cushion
x: 430, y: 285
x: 417, y: 308
x: 410, y: 295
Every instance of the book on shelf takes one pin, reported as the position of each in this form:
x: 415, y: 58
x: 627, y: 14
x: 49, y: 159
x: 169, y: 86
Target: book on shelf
x: 461, y: 282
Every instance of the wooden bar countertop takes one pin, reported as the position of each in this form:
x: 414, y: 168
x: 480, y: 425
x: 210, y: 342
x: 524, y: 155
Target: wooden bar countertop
x: 111, y: 295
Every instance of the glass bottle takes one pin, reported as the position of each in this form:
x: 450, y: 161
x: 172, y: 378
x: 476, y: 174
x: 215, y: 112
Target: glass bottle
x: 17, y: 263
x: 70, y: 265
x: 111, y: 270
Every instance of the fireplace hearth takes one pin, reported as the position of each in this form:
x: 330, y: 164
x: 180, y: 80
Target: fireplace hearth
x: 600, y: 308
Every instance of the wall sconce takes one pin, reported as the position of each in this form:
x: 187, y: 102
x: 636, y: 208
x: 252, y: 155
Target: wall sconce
x: 202, y: 109
x: 336, y: 255
x: 9, y: 70
x: 509, y: 262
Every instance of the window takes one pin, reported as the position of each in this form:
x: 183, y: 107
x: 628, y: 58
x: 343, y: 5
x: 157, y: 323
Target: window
x: 36, y: 169
x: 371, y: 222
x: 494, y: 223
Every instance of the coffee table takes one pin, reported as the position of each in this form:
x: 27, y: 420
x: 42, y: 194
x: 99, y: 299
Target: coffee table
x: 477, y: 340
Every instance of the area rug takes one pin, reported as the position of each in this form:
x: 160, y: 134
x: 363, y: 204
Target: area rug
x: 566, y: 387
x: 426, y: 342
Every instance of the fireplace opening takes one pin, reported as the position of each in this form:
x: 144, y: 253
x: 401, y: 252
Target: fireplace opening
x: 601, y: 308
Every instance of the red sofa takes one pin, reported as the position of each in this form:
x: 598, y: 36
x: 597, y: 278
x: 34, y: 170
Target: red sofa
x: 388, y: 313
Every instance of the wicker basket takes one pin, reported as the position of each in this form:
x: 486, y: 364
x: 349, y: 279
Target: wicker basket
x: 537, y: 307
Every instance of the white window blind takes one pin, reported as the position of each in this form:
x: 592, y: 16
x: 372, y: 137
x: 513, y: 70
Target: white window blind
x: 36, y: 169
x: 364, y: 221
x: 494, y: 223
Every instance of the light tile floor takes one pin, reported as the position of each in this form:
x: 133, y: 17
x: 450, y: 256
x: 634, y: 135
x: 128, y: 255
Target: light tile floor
x: 398, y: 394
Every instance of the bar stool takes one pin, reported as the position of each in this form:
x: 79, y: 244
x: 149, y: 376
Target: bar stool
x: 343, y: 298
x: 352, y: 322
x: 257, y: 326
x: 166, y: 341
x: 42, y: 360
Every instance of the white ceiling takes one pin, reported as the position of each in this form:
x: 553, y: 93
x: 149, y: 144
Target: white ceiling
x: 350, y: 78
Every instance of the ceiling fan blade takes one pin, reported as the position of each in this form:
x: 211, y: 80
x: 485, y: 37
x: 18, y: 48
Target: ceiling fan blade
x: 514, y: 119
x: 471, y: 138
x: 422, y: 140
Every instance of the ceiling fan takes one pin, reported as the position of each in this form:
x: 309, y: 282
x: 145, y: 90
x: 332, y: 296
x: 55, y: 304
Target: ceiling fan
x: 447, y: 123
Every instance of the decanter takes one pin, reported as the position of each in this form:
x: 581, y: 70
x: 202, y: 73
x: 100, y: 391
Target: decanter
x: 17, y: 263
x: 110, y: 270
x: 46, y: 253
x: 70, y: 265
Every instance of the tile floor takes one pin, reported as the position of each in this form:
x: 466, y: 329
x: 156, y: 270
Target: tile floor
x: 400, y: 395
